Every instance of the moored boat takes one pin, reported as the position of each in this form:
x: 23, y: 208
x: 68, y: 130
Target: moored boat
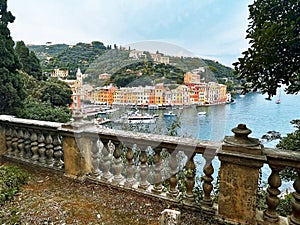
x: 169, y: 114
x: 201, y: 113
x: 138, y: 118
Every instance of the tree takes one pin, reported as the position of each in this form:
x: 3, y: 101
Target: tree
x: 29, y: 62
x: 12, y: 93
x: 273, y: 58
x: 35, y: 67
x: 292, y: 140
x: 56, y: 92
x: 45, y: 111
x: 36, y: 108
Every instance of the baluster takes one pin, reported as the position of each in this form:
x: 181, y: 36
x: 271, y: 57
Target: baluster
x: 118, y: 164
x: 49, y: 150
x: 14, y: 143
x: 207, y: 180
x: 157, y: 172
x: 130, y: 168
x: 58, y: 152
x: 42, y: 149
x: 106, y: 162
x: 8, y: 134
x: 95, y: 149
x: 173, y: 192
x: 190, y: 181
x: 294, y: 219
x: 274, y: 181
x: 144, y: 184
x: 34, y: 146
x: 21, y: 144
x: 27, y: 144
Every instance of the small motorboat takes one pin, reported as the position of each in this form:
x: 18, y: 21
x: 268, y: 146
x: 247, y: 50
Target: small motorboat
x: 201, y: 113
x: 169, y: 114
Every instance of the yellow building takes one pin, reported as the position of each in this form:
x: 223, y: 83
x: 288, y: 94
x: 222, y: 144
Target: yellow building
x: 62, y: 74
x: 191, y: 78
x: 159, y: 94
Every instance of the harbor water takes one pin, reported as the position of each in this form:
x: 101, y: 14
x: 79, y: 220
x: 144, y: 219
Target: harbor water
x: 259, y: 114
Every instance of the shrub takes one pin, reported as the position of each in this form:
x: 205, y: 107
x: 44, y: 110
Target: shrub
x: 11, y: 179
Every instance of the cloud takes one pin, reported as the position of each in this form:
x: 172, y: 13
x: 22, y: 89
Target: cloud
x: 207, y: 27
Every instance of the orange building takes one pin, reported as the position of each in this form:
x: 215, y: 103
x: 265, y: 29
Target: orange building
x: 191, y: 78
x: 105, y: 95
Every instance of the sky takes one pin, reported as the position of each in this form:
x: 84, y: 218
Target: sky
x: 210, y: 29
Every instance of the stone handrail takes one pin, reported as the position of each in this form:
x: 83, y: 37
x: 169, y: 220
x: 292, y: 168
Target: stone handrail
x: 36, y: 142
x: 161, y: 166
x: 145, y: 163
x: 277, y: 161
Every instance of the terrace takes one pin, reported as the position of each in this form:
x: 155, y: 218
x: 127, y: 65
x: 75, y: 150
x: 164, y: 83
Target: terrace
x: 162, y: 167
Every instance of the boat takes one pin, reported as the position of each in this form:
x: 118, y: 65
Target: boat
x: 141, y: 119
x: 101, y: 121
x: 153, y: 107
x: 107, y: 111
x: 278, y: 100
x: 201, y: 113
x: 138, y: 118
x: 169, y: 114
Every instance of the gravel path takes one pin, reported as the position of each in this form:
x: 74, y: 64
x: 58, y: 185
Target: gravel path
x: 55, y: 199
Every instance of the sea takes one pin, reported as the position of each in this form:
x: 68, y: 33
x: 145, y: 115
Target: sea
x: 259, y: 115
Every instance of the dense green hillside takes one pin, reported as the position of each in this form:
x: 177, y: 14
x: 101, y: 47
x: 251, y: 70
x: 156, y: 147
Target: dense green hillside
x: 110, y: 62
x: 94, y: 59
x: 214, y: 70
x: 44, y: 51
x: 147, y: 73
x: 68, y: 57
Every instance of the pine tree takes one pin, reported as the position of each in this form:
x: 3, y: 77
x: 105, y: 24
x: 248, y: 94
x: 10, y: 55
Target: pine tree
x: 12, y: 93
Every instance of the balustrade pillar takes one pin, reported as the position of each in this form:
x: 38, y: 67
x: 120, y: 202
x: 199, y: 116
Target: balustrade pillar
x: 58, y: 152
x: 274, y: 181
x: 49, y: 150
x: 241, y: 158
x: 294, y: 219
x: 21, y: 143
x: 42, y: 149
x: 27, y: 144
x: 95, y: 150
x: 130, y: 168
x: 157, y: 189
x: 190, y: 181
x: 118, y: 164
x: 14, y: 144
x: 208, y: 170
x: 106, y: 161
x: 3, y: 140
x: 34, y: 146
x: 8, y: 137
x: 144, y: 184
x: 173, y: 180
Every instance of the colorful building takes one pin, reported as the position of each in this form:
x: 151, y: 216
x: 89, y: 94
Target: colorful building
x: 76, y: 86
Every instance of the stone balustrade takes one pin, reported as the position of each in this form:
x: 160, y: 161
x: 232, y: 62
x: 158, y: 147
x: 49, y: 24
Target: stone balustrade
x: 32, y: 141
x: 160, y: 166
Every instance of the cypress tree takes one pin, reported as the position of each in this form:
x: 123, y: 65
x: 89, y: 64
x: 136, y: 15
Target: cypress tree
x: 12, y: 93
x: 29, y: 62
